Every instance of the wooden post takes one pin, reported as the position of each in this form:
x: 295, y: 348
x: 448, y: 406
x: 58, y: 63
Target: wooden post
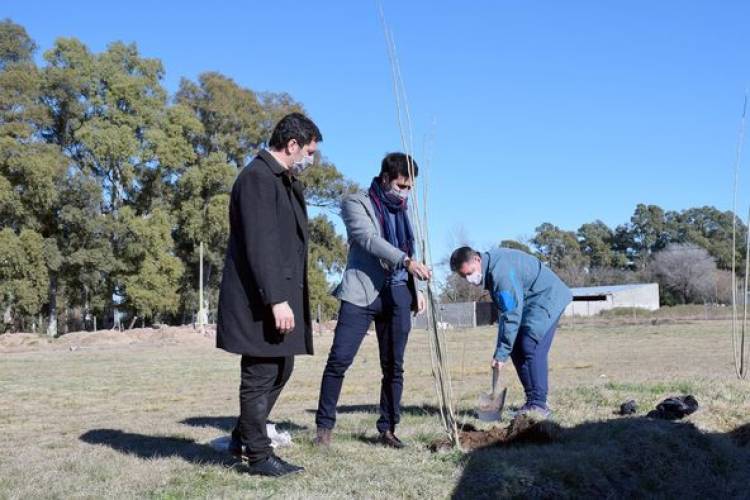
x: 320, y: 326
x: 201, y: 313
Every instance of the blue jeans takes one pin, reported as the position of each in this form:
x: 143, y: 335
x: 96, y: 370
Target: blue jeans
x: 530, y: 359
x: 391, y: 312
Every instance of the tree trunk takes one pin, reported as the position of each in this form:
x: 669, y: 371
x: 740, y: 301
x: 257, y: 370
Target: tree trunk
x: 52, y: 325
x: 132, y: 322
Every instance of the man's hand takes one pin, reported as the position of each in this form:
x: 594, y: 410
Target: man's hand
x: 284, y: 317
x: 421, y: 303
x: 418, y: 269
x: 496, y: 363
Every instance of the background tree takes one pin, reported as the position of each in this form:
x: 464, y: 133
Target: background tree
x: 648, y: 232
x: 231, y: 116
x: 327, y: 257
x: 597, y: 243
x: 686, y: 273
x: 31, y: 171
x: 152, y: 273
x: 708, y: 228
x: 517, y: 245
x: 23, y: 278
x: 557, y: 248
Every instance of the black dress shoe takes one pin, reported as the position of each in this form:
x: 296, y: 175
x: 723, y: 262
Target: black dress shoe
x: 272, y: 466
x: 388, y: 438
x: 291, y: 467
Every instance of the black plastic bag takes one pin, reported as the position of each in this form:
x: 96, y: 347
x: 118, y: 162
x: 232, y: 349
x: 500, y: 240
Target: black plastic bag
x: 628, y: 407
x: 674, y: 408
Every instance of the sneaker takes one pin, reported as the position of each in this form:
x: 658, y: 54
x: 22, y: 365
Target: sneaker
x: 544, y: 411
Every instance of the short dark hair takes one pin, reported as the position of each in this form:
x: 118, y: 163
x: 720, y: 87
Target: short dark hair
x: 395, y: 164
x: 460, y: 256
x: 294, y: 126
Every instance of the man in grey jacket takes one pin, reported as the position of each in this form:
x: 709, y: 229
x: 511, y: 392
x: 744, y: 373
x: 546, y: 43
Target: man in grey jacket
x: 378, y: 284
x: 531, y: 299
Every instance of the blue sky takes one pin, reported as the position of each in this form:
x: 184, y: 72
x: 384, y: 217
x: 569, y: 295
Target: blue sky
x: 563, y: 112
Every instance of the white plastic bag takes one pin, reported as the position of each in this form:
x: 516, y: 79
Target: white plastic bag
x: 278, y: 439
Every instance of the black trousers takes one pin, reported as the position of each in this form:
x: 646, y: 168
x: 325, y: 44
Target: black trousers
x: 261, y: 381
x: 392, y: 314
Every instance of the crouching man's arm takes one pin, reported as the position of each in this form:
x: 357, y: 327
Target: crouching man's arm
x: 509, y: 298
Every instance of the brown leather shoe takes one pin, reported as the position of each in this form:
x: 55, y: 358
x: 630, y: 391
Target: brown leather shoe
x: 323, y: 438
x: 388, y: 438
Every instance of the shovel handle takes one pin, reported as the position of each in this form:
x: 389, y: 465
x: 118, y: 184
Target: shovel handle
x: 495, y: 376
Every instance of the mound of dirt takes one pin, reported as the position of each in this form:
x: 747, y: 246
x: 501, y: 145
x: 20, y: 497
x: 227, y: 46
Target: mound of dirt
x: 525, y: 428
x: 14, y: 342
x: 165, y: 335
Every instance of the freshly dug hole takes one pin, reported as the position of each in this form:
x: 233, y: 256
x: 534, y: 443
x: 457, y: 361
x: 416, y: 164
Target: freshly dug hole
x: 523, y: 429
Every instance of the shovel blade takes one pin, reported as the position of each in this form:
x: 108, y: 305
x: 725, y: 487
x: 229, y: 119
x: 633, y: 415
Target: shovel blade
x: 488, y: 416
x: 491, y: 407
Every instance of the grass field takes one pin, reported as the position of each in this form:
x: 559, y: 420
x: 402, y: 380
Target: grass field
x: 135, y: 420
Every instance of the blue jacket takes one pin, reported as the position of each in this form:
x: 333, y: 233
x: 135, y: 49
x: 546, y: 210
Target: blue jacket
x: 528, y: 294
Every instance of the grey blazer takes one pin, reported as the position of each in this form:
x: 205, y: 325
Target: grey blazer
x: 370, y: 254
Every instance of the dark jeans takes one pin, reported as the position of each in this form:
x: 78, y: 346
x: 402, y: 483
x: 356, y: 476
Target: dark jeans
x: 530, y: 359
x: 392, y: 314
x: 261, y: 382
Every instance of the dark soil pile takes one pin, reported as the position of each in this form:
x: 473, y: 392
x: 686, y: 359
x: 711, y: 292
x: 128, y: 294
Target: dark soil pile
x: 522, y: 429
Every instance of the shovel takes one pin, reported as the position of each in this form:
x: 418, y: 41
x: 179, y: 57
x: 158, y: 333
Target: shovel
x: 491, y: 405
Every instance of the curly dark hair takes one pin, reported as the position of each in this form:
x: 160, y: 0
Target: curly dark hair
x: 294, y: 126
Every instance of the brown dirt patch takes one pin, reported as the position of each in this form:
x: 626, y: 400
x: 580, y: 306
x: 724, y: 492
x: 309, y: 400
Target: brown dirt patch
x: 523, y: 429
x: 166, y: 335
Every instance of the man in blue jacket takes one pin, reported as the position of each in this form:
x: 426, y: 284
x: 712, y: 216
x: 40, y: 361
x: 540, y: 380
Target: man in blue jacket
x: 531, y: 299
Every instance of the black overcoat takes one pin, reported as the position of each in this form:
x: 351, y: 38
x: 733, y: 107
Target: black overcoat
x: 265, y: 263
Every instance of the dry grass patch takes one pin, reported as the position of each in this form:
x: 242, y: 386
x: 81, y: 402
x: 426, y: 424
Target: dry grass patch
x: 134, y: 419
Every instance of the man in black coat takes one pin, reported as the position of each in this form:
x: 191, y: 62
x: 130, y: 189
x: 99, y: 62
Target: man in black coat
x: 264, y: 310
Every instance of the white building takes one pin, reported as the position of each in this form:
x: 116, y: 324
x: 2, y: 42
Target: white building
x: 588, y: 301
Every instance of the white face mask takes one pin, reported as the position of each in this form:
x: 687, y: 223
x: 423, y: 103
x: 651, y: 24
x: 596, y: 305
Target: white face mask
x: 474, y: 278
x: 299, y: 166
x: 397, y: 194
